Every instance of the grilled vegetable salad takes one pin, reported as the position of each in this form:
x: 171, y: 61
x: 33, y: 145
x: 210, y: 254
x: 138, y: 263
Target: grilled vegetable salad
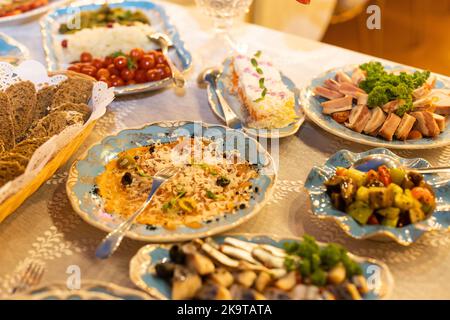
x: 389, y: 197
x: 242, y: 270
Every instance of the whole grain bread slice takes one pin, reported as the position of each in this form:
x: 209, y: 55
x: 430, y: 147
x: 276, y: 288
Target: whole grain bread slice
x: 11, y: 156
x: 7, y: 133
x: 27, y: 147
x: 9, y: 170
x: 78, y: 107
x: 2, y: 146
x: 22, y: 96
x: 54, y: 123
x: 44, y: 101
x: 74, y: 90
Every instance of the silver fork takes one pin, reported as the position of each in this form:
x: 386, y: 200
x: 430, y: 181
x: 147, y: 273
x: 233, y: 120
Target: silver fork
x: 30, y: 278
x: 112, y: 241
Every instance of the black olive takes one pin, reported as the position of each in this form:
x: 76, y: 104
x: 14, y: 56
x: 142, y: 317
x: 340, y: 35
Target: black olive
x: 151, y: 149
x: 127, y: 179
x: 96, y: 190
x: 176, y: 254
x: 165, y: 270
x: 222, y: 181
x: 136, y: 157
x: 415, y: 177
x: 242, y: 206
x: 256, y: 189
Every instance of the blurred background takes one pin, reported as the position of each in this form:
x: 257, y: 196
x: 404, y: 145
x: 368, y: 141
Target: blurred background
x: 413, y: 32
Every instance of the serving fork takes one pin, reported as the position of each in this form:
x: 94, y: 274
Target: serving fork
x: 30, y: 277
x: 112, y: 241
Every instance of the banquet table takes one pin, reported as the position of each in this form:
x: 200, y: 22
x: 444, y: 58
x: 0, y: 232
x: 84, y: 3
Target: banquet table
x: 47, y: 230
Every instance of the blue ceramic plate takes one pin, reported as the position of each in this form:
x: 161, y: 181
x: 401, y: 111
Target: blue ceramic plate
x: 223, y: 84
x: 149, y: 255
x: 159, y: 21
x: 313, y: 111
x: 12, y: 51
x: 87, y: 204
x: 89, y: 290
x: 322, y: 207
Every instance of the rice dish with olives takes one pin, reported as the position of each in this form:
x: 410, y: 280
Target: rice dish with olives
x: 209, y: 184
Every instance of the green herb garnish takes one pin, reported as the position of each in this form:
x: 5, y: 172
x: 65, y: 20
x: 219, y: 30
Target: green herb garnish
x: 258, y: 53
x: 261, y: 83
x: 254, y: 62
x: 211, y: 195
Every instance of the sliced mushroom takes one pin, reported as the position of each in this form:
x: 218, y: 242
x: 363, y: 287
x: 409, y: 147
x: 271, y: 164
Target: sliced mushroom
x: 244, y: 265
x: 277, y: 252
x: 185, y: 284
x: 299, y: 292
x: 244, y: 245
x: 219, y: 256
x: 239, y: 292
x: 287, y: 282
x: 361, y: 284
x: 246, y: 278
x: 262, y: 281
x: 277, y: 273
x: 213, y: 291
x: 267, y: 258
x: 312, y: 293
x: 201, y: 264
x: 354, y: 293
x: 222, y: 277
x: 238, y: 253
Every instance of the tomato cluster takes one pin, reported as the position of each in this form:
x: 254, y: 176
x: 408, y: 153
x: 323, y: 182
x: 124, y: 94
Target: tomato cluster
x: 18, y: 7
x: 122, y: 69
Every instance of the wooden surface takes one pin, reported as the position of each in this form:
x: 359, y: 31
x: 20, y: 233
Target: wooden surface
x: 414, y: 32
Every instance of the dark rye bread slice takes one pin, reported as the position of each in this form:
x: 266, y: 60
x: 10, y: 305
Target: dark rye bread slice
x: 22, y: 96
x: 9, y: 170
x: 2, y: 146
x: 7, y: 135
x: 44, y: 101
x: 27, y: 147
x: 54, y: 123
x: 11, y: 156
x: 73, y: 90
x: 78, y: 107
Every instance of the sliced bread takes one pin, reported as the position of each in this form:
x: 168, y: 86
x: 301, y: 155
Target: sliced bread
x: 11, y: 156
x: 44, y: 101
x: 27, y: 147
x: 54, y: 123
x: 74, y: 90
x: 78, y: 107
x: 9, y: 170
x: 7, y: 135
x: 22, y: 96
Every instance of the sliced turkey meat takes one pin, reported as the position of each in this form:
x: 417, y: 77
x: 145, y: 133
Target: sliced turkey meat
x: 390, y: 126
x: 358, y: 76
x: 337, y: 105
x: 358, y: 119
x: 332, y: 85
x: 327, y: 93
x: 441, y: 101
x: 376, y: 120
x: 342, y: 77
x: 440, y: 121
x: 405, y: 127
x: 362, y: 98
x: 426, y: 123
x: 393, y: 105
x: 349, y: 89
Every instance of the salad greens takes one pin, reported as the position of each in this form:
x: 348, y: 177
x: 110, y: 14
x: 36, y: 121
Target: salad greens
x: 383, y: 87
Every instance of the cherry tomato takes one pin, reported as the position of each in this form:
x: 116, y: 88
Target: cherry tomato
x: 112, y: 70
x: 64, y: 43
x: 153, y: 75
x: 104, y: 79
x: 127, y: 74
x: 341, y: 171
x: 86, y: 57
x: 160, y: 59
x: 384, y: 175
x: 97, y: 63
x: 140, y: 76
x: 102, y: 72
x: 373, y: 220
x: 130, y: 82
x: 108, y: 61
x: 136, y: 53
x: 74, y: 68
x: 147, y: 62
x: 120, y: 62
x: 423, y: 195
x: 117, y: 82
x: 165, y: 70
x: 89, y: 70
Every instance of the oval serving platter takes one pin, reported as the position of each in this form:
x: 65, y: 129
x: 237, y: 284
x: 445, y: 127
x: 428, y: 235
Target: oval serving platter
x: 235, y: 104
x: 142, y: 276
x: 28, y: 15
x: 12, y: 51
x: 159, y: 21
x: 88, y: 205
x: 321, y: 203
x: 89, y: 290
x: 313, y: 110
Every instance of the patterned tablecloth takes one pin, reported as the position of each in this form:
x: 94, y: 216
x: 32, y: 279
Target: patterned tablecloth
x: 46, y: 229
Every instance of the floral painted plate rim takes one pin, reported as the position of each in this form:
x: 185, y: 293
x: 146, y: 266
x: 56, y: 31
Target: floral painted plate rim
x: 313, y: 111
x: 234, y: 103
x: 140, y: 263
x: 181, y: 53
x: 322, y: 208
x: 32, y: 13
x: 89, y: 289
x: 139, y: 231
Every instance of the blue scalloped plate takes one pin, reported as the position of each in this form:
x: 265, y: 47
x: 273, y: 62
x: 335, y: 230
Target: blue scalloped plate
x: 322, y: 207
x: 147, y: 256
x: 313, y: 111
x: 236, y: 105
x: 159, y: 21
x: 87, y: 204
x: 12, y: 51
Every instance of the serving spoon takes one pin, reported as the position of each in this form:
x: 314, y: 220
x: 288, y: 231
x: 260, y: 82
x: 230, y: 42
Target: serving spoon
x: 112, y: 241
x: 209, y: 78
x: 165, y: 42
x: 373, y: 161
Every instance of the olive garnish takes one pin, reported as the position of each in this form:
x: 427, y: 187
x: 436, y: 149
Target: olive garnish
x: 127, y: 179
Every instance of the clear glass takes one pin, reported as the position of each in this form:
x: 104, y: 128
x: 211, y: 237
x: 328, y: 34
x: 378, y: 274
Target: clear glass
x: 223, y: 14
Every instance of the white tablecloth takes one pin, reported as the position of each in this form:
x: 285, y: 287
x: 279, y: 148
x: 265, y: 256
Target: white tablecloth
x: 45, y: 228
